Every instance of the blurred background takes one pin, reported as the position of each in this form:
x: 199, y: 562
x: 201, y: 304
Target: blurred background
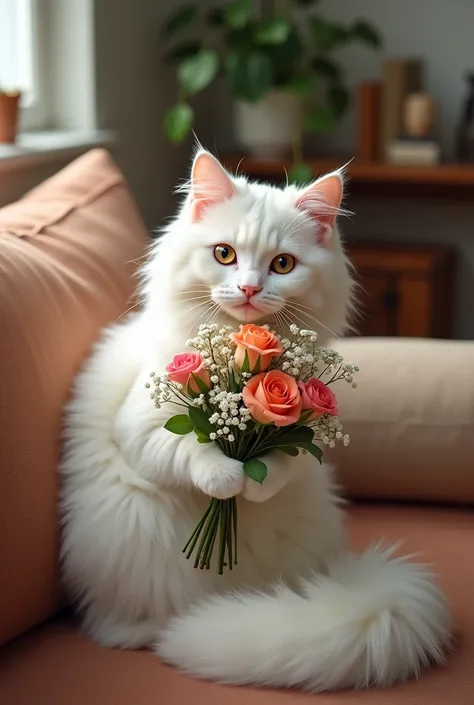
x: 280, y: 89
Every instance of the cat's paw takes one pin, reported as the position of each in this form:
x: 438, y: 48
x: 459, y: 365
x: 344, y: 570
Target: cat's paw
x: 278, y: 475
x: 217, y: 475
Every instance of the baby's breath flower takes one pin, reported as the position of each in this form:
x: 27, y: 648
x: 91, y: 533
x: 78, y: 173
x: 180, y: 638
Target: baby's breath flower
x: 213, y: 436
x: 214, y: 379
x: 231, y: 437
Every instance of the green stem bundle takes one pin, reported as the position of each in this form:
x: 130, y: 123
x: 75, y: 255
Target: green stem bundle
x: 219, y: 517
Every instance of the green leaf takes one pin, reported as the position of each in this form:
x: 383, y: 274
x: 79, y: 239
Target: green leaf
x: 181, y: 51
x: 197, y: 72
x: 256, y: 369
x: 215, y: 16
x: 200, y: 420
x: 328, y: 35
x: 339, y: 99
x: 179, y: 20
x: 320, y: 120
x: 202, y: 437
x: 286, y: 59
x: 313, y: 449
x: 301, y: 85
x: 326, y: 67
x: 366, y: 33
x: 180, y: 424
x: 238, y: 13
x: 300, y: 174
x: 292, y: 436
x: 233, y: 384
x: 203, y: 388
x: 305, y: 417
x: 246, y: 363
x: 273, y: 31
x: 256, y: 470
x: 249, y: 74
x: 178, y: 122
x: 289, y: 450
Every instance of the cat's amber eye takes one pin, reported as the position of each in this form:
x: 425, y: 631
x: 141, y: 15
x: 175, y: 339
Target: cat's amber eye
x: 225, y: 254
x: 283, y: 264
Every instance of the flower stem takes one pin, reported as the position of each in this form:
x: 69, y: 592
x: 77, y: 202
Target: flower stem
x: 209, y: 533
x: 197, y: 531
x: 222, y: 541
x: 205, y: 530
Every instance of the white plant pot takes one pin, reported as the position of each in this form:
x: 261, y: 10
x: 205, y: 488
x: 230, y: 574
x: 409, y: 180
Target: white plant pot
x: 269, y: 128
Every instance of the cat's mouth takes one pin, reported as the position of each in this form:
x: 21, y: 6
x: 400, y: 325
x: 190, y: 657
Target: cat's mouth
x: 247, y: 312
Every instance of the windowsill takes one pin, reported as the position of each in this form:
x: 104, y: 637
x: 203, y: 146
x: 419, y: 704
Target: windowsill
x: 33, y: 148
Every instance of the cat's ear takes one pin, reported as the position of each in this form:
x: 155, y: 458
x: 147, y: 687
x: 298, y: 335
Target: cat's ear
x: 322, y: 200
x: 210, y: 184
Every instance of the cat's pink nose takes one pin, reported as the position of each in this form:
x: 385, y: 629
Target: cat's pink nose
x: 249, y: 291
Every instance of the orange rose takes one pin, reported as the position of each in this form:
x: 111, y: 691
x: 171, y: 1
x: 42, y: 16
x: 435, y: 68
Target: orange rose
x: 273, y: 397
x: 259, y: 344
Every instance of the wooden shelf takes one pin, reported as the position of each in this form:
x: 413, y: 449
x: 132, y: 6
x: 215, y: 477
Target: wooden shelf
x: 450, y: 179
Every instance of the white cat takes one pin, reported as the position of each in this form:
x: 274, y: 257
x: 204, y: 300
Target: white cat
x: 299, y: 610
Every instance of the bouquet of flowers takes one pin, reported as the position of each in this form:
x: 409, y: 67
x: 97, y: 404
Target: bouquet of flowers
x: 251, y: 393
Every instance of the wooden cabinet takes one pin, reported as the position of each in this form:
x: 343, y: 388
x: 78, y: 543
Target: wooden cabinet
x: 403, y: 290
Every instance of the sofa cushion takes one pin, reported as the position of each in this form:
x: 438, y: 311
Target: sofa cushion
x: 56, y: 665
x: 67, y: 251
x: 411, y: 420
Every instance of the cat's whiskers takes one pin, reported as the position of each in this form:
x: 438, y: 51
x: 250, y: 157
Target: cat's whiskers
x: 201, y: 303
x: 203, y: 290
x: 135, y: 305
x: 291, y: 311
x: 209, y: 307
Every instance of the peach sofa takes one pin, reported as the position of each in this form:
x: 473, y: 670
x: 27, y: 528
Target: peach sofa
x: 67, y: 252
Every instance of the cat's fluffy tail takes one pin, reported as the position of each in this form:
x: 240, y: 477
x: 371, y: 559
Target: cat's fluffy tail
x: 373, y: 620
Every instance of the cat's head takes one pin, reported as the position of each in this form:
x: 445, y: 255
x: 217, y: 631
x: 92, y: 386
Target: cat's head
x: 252, y: 252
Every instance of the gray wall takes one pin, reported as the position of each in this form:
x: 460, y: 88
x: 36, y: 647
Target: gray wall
x: 133, y: 90
x: 441, y: 32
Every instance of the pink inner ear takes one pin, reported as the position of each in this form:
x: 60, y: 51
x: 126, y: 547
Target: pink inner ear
x: 321, y: 201
x: 210, y: 184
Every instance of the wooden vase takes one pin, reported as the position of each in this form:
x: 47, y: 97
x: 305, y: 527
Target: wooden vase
x: 9, y: 110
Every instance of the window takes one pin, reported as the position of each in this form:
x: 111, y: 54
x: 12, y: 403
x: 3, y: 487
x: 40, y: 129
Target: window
x: 20, y: 57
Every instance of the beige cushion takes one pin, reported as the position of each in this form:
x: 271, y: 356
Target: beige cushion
x: 55, y: 665
x: 411, y: 420
x: 67, y: 251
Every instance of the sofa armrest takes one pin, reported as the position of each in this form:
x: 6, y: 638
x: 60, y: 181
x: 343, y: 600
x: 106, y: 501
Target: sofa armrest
x: 411, y: 420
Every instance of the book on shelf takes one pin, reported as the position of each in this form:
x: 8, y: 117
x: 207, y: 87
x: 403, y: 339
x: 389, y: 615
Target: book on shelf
x: 400, y: 77
x: 415, y: 152
x: 368, y: 121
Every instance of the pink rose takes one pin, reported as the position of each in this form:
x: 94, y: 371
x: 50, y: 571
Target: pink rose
x: 318, y: 397
x: 182, y: 368
x: 259, y: 344
x: 273, y: 397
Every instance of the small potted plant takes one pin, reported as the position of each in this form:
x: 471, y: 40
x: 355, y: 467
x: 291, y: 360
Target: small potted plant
x: 9, y: 109
x: 278, y: 65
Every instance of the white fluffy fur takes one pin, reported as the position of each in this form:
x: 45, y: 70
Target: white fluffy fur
x: 299, y: 610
